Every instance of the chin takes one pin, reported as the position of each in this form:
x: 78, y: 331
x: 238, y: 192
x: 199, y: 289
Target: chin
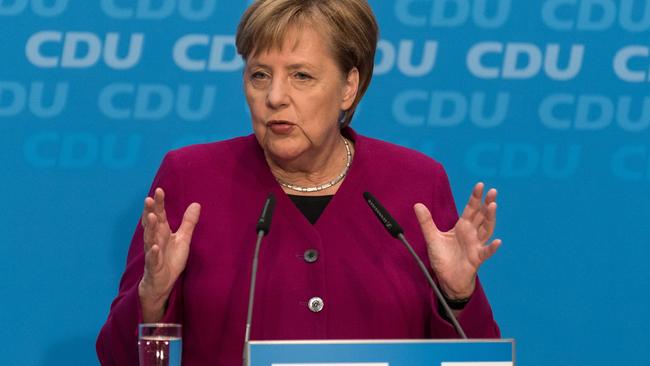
x: 284, y: 149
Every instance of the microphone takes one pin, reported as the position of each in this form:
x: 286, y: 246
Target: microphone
x: 262, y: 228
x: 384, y: 217
x: 397, y: 232
x: 264, y: 223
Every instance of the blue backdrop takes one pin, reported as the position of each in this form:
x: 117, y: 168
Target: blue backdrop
x: 547, y: 100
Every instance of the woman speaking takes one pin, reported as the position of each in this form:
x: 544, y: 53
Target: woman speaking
x: 328, y: 270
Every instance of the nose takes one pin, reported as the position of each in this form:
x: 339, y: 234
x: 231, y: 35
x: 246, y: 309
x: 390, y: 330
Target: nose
x: 278, y: 94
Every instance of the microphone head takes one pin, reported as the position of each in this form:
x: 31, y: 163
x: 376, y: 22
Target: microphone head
x: 264, y: 223
x: 382, y: 214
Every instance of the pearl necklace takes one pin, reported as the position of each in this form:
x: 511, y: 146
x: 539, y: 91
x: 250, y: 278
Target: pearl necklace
x: 326, y: 185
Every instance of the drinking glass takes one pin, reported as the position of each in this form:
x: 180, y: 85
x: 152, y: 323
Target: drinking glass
x: 159, y: 344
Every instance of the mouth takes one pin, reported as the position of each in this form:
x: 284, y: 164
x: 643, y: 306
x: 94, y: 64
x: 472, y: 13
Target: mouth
x: 279, y: 123
x: 280, y: 127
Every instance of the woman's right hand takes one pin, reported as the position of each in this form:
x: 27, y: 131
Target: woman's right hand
x: 165, y: 254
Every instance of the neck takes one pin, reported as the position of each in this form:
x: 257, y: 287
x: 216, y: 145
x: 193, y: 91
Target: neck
x: 313, y: 173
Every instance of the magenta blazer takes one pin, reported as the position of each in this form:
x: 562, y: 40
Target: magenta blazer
x: 370, y: 285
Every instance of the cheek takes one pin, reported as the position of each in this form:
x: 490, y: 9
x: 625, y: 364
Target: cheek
x: 328, y: 108
x: 255, y: 105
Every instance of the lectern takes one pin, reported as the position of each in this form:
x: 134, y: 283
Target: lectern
x: 474, y: 352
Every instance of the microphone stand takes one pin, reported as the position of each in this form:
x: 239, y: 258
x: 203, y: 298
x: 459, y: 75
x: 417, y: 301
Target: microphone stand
x: 251, y: 295
x: 263, y: 227
x: 434, y: 286
x: 395, y: 230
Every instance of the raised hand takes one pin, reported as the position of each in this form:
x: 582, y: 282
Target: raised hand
x: 457, y: 254
x: 165, y: 253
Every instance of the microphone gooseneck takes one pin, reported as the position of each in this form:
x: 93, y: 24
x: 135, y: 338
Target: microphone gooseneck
x: 397, y: 232
x: 262, y: 228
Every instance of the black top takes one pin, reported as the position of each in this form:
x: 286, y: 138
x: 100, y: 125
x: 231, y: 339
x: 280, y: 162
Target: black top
x: 311, y: 206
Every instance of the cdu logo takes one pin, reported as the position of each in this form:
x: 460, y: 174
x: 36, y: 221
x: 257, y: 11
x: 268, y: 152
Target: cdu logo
x: 453, y: 13
x: 593, y: 112
x: 523, y: 160
x: 449, y: 108
x: 516, y: 60
x: 156, y: 101
x: 82, y: 50
x: 81, y: 150
x: 190, y: 10
x: 597, y: 15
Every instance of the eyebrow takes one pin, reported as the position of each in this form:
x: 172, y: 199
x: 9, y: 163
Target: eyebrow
x: 295, y: 66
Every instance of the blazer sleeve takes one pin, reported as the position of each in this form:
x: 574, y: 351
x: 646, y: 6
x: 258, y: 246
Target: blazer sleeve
x: 476, y: 318
x: 117, y: 343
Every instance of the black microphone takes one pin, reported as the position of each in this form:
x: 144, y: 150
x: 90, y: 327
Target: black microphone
x: 382, y: 214
x: 262, y: 228
x: 397, y: 232
x: 264, y: 223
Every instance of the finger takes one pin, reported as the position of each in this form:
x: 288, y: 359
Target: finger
x: 473, y: 205
x: 486, y: 228
x: 483, y: 213
x: 489, y: 250
x: 479, y: 217
x: 489, y: 222
x: 147, y: 207
x: 427, y: 225
x: 159, y: 205
x: 150, y: 228
x: 491, y: 196
x: 190, y: 219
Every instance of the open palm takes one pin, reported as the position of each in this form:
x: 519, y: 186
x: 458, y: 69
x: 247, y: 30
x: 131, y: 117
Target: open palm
x: 457, y: 254
x: 166, y: 252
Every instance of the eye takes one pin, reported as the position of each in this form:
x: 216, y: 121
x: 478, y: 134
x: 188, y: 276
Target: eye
x: 302, y: 76
x: 258, y: 75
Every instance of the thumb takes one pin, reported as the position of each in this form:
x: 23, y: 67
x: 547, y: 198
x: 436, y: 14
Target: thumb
x: 429, y: 228
x: 190, y: 219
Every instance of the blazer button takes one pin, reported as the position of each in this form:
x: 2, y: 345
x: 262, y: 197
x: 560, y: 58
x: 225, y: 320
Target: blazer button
x: 315, y: 304
x: 311, y: 255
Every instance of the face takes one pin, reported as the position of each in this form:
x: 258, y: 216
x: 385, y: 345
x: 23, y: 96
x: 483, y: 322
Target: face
x: 295, y: 95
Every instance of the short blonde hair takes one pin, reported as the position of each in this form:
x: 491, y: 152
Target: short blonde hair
x: 349, y: 25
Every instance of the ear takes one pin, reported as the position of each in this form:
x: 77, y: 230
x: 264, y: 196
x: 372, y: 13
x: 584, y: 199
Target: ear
x: 350, y: 89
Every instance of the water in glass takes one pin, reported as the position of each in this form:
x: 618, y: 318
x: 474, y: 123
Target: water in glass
x: 160, y: 344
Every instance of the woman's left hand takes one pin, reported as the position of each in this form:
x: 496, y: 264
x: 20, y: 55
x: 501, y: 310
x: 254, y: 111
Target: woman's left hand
x: 457, y: 254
